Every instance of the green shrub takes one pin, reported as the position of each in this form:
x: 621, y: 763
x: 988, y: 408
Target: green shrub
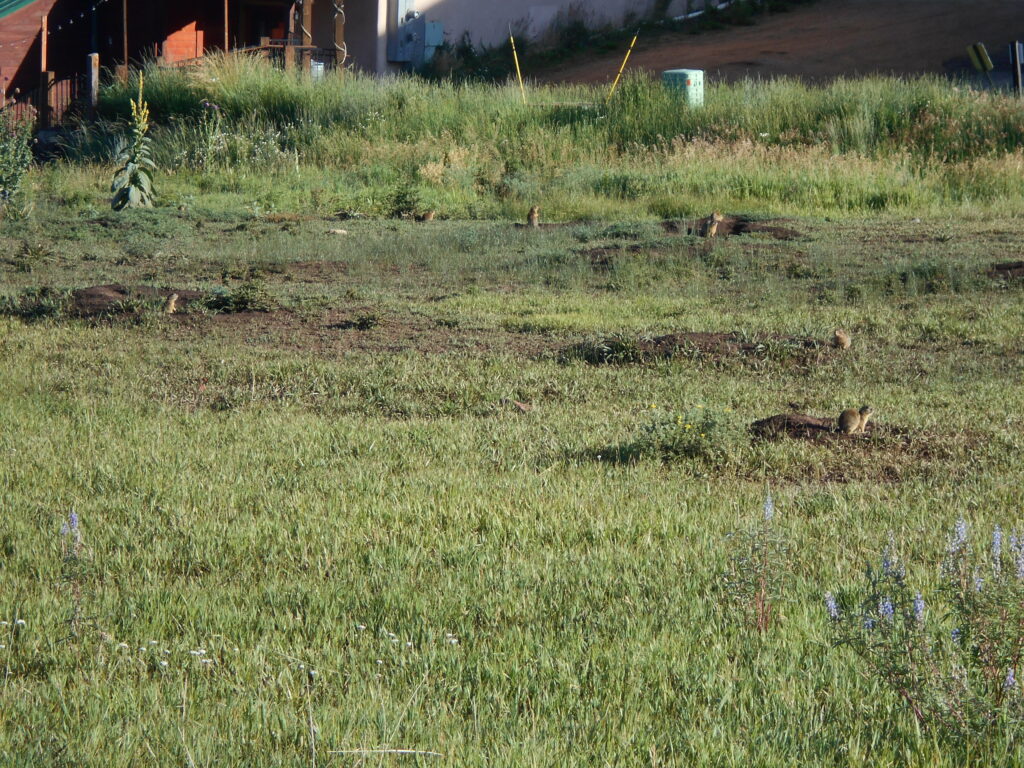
x: 250, y: 296
x: 15, y: 155
x: 35, y: 304
x: 704, y: 435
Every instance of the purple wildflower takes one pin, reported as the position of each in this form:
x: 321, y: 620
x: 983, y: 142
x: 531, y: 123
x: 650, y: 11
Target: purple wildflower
x: 919, y: 607
x: 978, y: 583
x: 1017, y: 548
x: 769, y: 508
x: 831, y: 607
x: 955, y: 635
x: 1011, y: 679
x: 71, y: 526
x: 959, y: 540
x: 891, y: 561
x: 885, y: 609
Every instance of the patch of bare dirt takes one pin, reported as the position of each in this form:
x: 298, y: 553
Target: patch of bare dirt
x: 112, y: 300
x: 883, y: 453
x: 734, y: 225
x: 338, y: 332
x: 1008, y: 270
x: 314, y: 271
x: 829, y: 39
x: 548, y: 225
x: 799, y: 426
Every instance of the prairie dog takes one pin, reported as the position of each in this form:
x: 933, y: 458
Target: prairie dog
x: 852, y: 421
x: 841, y: 339
x: 533, y: 217
x: 711, y: 224
x: 426, y: 216
x: 172, y: 304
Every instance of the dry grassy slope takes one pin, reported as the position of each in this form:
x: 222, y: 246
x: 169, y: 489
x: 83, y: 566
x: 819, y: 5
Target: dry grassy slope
x: 826, y: 40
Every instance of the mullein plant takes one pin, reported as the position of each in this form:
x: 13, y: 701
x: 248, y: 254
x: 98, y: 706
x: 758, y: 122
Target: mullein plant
x: 133, y: 181
x: 954, y: 659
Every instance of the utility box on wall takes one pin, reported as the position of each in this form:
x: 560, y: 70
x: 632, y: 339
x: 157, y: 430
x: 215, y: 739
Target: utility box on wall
x: 433, y: 40
x: 407, y: 28
x: 414, y: 39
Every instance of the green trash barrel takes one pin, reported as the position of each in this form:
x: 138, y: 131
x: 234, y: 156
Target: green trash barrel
x: 688, y: 82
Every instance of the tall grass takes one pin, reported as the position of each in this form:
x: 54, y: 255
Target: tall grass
x: 928, y: 117
x: 394, y: 145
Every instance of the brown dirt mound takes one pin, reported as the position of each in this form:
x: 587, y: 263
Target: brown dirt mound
x: 734, y: 225
x: 548, y: 225
x: 110, y: 300
x: 339, y: 332
x: 1008, y: 270
x: 802, y: 427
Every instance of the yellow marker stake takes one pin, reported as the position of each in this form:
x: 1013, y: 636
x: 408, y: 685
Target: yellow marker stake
x: 623, y: 67
x: 515, y: 58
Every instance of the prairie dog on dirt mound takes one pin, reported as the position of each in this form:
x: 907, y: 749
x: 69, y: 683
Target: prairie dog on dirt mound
x: 533, y: 217
x: 709, y: 226
x: 841, y: 339
x: 852, y: 421
x: 172, y: 304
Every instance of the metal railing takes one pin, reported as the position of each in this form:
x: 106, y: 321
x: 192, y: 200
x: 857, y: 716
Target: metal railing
x: 283, y: 53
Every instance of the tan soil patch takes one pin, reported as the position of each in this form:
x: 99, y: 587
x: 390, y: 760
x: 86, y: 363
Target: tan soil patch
x: 111, y: 300
x: 336, y: 332
x: 314, y: 271
x: 733, y: 225
x: 1008, y: 270
x: 802, y: 427
x: 829, y: 39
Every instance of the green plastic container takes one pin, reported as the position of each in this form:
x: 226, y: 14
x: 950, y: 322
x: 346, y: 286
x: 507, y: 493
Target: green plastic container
x: 688, y: 82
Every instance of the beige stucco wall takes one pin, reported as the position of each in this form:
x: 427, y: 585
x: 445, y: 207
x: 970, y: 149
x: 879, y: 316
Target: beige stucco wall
x: 487, y: 21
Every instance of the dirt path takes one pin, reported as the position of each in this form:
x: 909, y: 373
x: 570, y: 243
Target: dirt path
x: 826, y: 40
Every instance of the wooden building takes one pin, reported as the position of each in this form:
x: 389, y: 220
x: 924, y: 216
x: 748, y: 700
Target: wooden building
x: 56, y: 36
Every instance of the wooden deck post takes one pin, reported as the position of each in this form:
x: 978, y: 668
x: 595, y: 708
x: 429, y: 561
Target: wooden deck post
x: 307, y: 35
x: 226, y: 40
x: 124, y: 35
x: 93, y: 76
x: 43, y: 40
x: 339, y: 37
x: 44, y: 104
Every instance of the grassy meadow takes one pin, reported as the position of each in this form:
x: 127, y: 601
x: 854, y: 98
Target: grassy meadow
x: 381, y: 489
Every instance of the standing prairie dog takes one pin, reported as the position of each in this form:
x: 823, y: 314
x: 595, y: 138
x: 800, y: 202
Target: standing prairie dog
x: 710, y: 224
x: 841, y: 339
x: 533, y: 217
x: 172, y: 304
x: 852, y: 421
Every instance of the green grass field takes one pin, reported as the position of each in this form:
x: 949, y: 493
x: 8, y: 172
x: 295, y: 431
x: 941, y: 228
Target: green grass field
x: 401, y: 510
